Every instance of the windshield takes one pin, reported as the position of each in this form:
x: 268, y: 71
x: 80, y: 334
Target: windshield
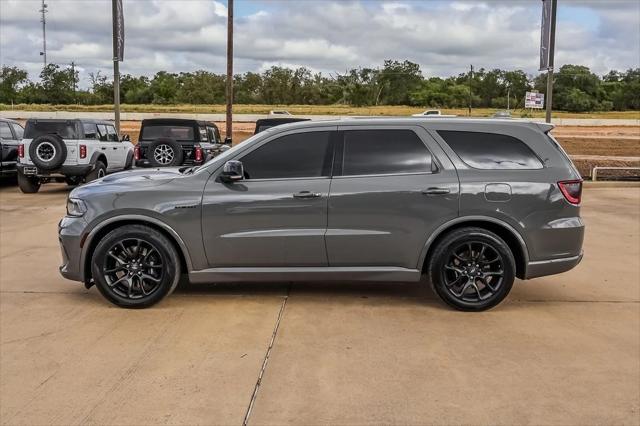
x: 64, y: 129
x: 179, y: 133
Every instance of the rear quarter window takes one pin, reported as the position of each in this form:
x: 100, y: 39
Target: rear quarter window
x: 491, y: 151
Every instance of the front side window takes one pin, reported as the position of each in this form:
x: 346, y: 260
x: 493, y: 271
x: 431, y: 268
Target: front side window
x: 292, y: 156
x: 373, y: 152
x: 214, y: 136
x: 5, y: 131
x: 491, y: 151
x: 112, y: 134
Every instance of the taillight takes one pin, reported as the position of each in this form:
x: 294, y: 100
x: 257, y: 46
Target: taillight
x: 198, y: 157
x: 83, y: 151
x: 21, y: 150
x: 136, y: 152
x: 572, y: 190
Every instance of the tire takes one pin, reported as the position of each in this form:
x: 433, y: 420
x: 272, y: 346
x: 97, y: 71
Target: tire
x: 475, y: 283
x: 165, y: 153
x: 73, y: 180
x: 48, y: 152
x: 28, y: 184
x: 129, y: 164
x: 126, y: 282
x: 99, y: 171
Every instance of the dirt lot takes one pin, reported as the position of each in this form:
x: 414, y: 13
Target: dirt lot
x: 560, y: 350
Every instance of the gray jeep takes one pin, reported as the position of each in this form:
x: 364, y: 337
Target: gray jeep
x: 472, y: 204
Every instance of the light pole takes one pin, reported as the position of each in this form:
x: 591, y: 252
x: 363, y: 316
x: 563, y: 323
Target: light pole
x: 552, y: 45
x: 229, y: 89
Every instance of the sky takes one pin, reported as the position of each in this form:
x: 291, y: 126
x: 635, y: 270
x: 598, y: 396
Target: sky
x: 328, y: 36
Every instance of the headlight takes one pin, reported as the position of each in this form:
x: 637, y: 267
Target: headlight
x: 76, y: 207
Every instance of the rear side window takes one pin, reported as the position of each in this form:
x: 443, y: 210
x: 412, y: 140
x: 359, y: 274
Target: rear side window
x: 102, y: 133
x: 491, y: 151
x: 292, y: 156
x: 372, y: 152
x: 64, y: 129
x: 18, y: 130
x: 90, y: 131
x: 5, y: 131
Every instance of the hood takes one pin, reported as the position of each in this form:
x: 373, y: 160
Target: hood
x: 127, y: 180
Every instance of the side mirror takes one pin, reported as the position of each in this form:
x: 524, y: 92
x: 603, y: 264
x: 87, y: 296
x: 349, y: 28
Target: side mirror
x: 227, y: 140
x: 126, y: 138
x: 232, y: 171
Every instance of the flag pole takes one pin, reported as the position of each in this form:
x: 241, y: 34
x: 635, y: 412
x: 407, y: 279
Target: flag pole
x: 229, y: 88
x: 116, y: 65
x: 552, y: 45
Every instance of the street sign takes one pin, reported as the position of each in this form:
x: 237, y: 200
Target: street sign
x: 534, y: 100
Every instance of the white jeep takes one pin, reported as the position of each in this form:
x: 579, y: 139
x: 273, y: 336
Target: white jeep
x: 74, y: 151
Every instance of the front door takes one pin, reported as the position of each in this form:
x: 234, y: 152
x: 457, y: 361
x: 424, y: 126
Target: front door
x: 277, y: 215
x: 392, y: 188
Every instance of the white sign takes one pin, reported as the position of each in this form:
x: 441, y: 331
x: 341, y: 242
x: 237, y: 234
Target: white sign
x: 534, y: 100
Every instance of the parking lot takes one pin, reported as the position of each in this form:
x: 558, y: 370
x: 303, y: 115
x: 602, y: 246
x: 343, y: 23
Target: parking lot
x: 561, y: 350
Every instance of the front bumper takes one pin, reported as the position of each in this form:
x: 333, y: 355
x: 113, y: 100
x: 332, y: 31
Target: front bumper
x: 71, y: 231
x: 75, y: 170
x: 541, y: 268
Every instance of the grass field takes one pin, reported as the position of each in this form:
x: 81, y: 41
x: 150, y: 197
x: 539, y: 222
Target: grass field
x: 311, y: 110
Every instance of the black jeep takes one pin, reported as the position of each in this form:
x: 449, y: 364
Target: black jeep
x: 171, y: 142
x: 10, y: 137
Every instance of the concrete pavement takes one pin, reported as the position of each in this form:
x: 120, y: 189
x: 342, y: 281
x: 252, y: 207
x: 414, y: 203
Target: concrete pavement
x: 560, y: 350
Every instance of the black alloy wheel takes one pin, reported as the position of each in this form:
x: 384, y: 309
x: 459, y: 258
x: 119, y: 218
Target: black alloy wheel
x: 135, y: 266
x: 472, y: 269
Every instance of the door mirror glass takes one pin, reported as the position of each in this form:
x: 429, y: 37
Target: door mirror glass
x: 232, y: 171
x: 227, y: 140
x: 126, y: 138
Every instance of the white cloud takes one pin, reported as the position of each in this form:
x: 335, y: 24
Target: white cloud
x: 328, y: 35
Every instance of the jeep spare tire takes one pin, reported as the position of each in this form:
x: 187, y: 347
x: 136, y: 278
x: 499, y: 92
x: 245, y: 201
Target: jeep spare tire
x: 48, y: 152
x: 165, y: 153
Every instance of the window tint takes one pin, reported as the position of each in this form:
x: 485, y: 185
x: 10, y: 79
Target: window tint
x: 18, y: 130
x: 113, y: 136
x: 64, y: 129
x: 491, y: 150
x: 370, y: 152
x: 90, y: 131
x: 292, y: 156
x: 179, y: 133
x: 214, y: 136
x: 102, y: 133
x: 5, y: 131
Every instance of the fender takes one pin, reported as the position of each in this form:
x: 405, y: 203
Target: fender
x: 94, y: 159
x: 443, y: 228
x: 140, y: 218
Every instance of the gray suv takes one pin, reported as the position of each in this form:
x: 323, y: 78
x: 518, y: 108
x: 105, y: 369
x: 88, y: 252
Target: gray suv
x: 473, y: 204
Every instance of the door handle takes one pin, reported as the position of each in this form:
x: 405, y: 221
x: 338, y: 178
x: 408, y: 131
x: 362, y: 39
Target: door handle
x: 115, y: 147
x: 306, y: 194
x: 104, y: 148
x: 436, y: 191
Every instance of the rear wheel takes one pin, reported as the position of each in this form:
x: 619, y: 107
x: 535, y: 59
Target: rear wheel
x: 472, y: 269
x: 135, y: 266
x: 28, y: 184
x: 99, y: 171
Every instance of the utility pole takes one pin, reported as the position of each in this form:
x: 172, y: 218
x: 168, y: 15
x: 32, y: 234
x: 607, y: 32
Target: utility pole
x: 229, y: 94
x: 470, y: 94
x: 116, y: 65
x: 552, y: 45
x: 508, y: 97
x: 43, y: 19
x: 73, y: 79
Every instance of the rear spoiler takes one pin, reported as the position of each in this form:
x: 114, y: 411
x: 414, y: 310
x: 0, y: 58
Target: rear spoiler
x: 545, y: 127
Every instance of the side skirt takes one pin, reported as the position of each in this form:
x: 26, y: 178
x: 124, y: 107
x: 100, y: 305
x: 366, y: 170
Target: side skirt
x: 327, y: 273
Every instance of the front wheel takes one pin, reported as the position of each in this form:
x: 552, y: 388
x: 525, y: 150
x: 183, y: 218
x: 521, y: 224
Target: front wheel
x: 472, y: 269
x: 135, y: 266
x: 28, y: 184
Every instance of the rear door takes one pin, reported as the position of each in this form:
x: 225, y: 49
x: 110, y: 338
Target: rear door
x: 392, y: 187
x: 9, y: 145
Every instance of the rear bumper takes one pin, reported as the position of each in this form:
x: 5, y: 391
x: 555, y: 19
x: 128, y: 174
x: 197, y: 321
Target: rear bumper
x: 541, y: 268
x: 76, y: 170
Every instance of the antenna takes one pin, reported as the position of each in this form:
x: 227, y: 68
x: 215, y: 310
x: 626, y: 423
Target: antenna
x: 43, y: 19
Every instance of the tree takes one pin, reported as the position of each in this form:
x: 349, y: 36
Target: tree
x: 399, y: 79
x: 11, y: 78
x: 57, y: 84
